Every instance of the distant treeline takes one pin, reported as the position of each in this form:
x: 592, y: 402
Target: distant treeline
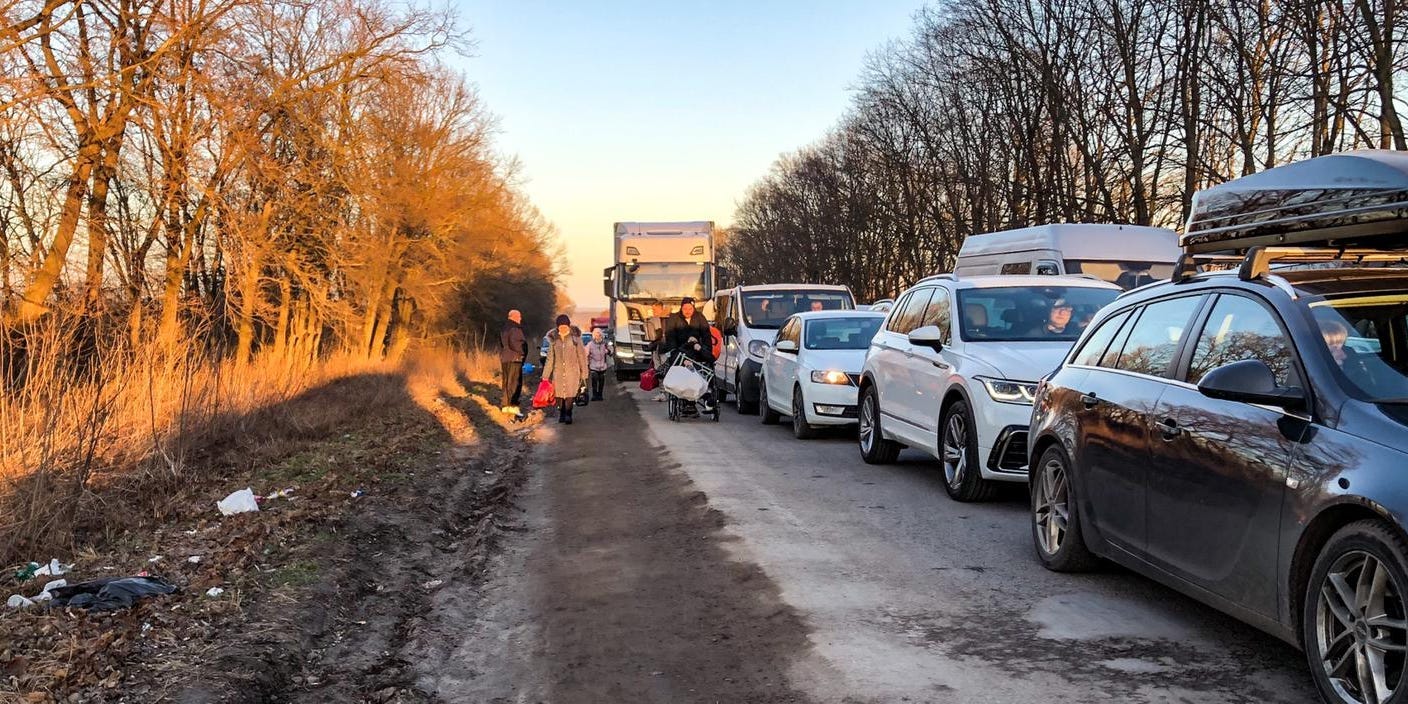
x: 1006, y: 113
x: 265, y: 177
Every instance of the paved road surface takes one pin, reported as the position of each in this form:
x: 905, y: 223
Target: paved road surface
x: 729, y: 562
x: 910, y: 596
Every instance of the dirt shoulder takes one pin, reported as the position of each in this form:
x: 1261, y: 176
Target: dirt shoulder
x: 627, y: 592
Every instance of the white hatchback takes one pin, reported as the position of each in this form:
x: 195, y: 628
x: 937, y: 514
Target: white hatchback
x: 954, y: 369
x: 813, y: 369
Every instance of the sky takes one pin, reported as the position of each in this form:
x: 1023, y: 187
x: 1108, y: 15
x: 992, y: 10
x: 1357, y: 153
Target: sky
x: 661, y: 110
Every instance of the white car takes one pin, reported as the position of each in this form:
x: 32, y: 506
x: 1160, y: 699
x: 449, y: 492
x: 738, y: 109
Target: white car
x: 954, y: 369
x: 811, y: 372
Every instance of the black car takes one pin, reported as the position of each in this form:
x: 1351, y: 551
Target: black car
x: 1243, y: 436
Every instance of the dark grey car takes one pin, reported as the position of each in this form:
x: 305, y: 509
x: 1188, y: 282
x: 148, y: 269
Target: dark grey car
x: 1243, y: 437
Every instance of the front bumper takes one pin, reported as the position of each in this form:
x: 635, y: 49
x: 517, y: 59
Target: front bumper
x: 831, y: 404
x: 633, y: 358
x: 1002, y: 437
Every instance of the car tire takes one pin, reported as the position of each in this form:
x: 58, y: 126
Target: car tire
x: 958, y: 453
x: 801, y: 429
x: 1056, y: 529
x: 1344, y: 616
x: 744, y: 407
x: 874, y: 448
x: 765, y: 412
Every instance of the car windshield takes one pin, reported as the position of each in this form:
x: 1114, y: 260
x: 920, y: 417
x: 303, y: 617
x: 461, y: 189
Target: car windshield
x: 659, y: 280
x: 842, y: 333
x: 1125, y: 274
x: 767, y: 310
x: 1365, y: 336
x: 1018, y: 313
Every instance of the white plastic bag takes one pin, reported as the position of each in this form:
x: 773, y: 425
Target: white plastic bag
x: 685, y: 383
x: 242, y: 501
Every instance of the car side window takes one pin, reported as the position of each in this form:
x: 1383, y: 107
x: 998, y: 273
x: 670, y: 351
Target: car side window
x: 1240, y: 328
x: 1155, y: 336
x: 721, y: 309
x: 1017, y: 268
x: 896, y: 312
x: 913, y: 311
x: 939, y: 313
x: 1099, y: 340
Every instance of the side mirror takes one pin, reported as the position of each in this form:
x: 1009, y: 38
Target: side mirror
x: 608, y: 281
x: 928, y: 336
x: 730, y: 326
x: 1250, y: 381
x: 787, y: 346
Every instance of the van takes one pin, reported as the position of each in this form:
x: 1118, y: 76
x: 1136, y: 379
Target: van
x: 1124, y: 255
x: 749, y: 317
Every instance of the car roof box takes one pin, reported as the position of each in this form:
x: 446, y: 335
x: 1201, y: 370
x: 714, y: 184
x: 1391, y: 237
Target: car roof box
x: 1352, y: 200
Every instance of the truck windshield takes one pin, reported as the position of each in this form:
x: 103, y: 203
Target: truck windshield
x: 660, y: 280
x: 1125, y: 274
x: 766, y: 310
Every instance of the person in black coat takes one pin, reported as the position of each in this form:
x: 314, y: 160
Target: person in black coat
x: 513, y: 351
x: 688, y: 331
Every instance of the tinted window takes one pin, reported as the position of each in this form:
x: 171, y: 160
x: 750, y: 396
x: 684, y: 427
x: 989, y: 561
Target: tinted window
x: 908, y: 317
x: 939, y: 313
x: 1154, y: 338
x: 1240, y: 328
x: 1095, y: 345
x: 1017, y: 268
x: 841, y: 333
x: 892, y: 322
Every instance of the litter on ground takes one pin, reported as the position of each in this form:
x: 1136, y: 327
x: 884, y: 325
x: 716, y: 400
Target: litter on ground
x: 112, y: 593
x: 241, y: 501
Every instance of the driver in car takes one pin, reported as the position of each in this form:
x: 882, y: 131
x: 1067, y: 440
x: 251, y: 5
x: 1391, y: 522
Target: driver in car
x: 1058, y: 320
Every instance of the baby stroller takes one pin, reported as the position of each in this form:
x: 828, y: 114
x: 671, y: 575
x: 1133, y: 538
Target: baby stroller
x: 685, y: 382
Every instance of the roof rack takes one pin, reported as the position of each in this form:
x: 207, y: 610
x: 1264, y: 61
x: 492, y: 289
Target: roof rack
x: 950, y: 276
x: 1257, y: 260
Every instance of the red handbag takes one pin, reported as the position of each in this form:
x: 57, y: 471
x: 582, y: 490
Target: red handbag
x: 648, y: 381
x: 544, y: 396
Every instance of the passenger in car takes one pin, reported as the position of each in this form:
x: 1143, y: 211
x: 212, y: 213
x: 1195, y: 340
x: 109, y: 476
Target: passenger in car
x: 977, y: 317
x: 1335, y: 334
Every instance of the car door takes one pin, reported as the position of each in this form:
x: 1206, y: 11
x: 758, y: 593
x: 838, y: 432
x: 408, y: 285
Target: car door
x: 930, y: 370
x: 886, y: 350
x: 781, y: 371
x: 1218, y: 470
x: 1113, y: 432
x: 906, y: 390
x: 727, y: 366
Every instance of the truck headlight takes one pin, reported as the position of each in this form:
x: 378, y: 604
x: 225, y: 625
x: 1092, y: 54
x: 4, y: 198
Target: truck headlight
x: 830, y: 376
x: 1009, y: 391
x: 758, y: 348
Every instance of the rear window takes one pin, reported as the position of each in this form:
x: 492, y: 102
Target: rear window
x: 841, y: 333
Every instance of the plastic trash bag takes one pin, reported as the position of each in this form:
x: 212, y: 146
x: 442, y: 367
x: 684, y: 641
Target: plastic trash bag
x: 545, y: 396
x: 112, y: 593
x: 528, y: 368
x: 242, y: 501
x: 685, y: 383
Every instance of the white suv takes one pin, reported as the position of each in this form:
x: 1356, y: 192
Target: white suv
x: 960, y: 387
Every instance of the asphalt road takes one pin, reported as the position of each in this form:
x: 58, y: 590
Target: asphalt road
x: 908, y: 596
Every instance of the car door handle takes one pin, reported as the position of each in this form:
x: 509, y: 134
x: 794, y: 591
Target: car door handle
x: 942, y: 364
x: 1169, y: 428
x: 1089, y: 400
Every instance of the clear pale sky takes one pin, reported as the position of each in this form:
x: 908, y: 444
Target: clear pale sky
x: 661, y: 110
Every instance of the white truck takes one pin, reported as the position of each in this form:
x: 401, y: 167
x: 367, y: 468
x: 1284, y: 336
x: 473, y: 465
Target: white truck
x: 1124, y: 255
x: 656, y: 262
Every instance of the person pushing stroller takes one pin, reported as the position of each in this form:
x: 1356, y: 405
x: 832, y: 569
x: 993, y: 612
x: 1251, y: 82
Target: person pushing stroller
x: 687, y: 333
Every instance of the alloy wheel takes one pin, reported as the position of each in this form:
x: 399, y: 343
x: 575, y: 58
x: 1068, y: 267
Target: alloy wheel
x: 1050, y: 506
x: 955, y: 449
x: 867, y: 423
x: 1361, y: 629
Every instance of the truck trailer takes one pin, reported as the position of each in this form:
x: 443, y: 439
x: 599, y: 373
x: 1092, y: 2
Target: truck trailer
x: 656, y: 262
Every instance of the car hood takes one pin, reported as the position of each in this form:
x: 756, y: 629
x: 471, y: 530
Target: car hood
x: 849, y: 361
x: 1020, y: 361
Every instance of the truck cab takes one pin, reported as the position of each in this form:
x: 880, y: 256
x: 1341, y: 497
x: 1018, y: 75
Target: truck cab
x: 656, y: 262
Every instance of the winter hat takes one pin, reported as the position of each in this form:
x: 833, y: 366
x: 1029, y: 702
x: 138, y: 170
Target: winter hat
x: 686, y: 300
x: 563, y: 320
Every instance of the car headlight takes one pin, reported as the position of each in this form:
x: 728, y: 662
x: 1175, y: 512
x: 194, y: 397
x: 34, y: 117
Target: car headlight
x: 1009, y: 391
x: 830, y: 376
x: 758, y: 348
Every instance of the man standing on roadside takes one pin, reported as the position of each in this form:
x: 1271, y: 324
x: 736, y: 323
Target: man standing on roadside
x: 513, y: 350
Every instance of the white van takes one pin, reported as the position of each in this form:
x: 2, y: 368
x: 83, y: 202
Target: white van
x: 1124, y: 255
x: 749, y: 317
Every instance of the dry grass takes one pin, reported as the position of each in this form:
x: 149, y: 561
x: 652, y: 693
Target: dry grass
x: 92, y: 444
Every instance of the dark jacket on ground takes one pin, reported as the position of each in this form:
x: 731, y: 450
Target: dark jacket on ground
x: 680, y: 330
x: 513, y: 345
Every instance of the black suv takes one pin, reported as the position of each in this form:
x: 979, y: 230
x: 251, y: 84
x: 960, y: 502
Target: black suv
x: 1243, y: 436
